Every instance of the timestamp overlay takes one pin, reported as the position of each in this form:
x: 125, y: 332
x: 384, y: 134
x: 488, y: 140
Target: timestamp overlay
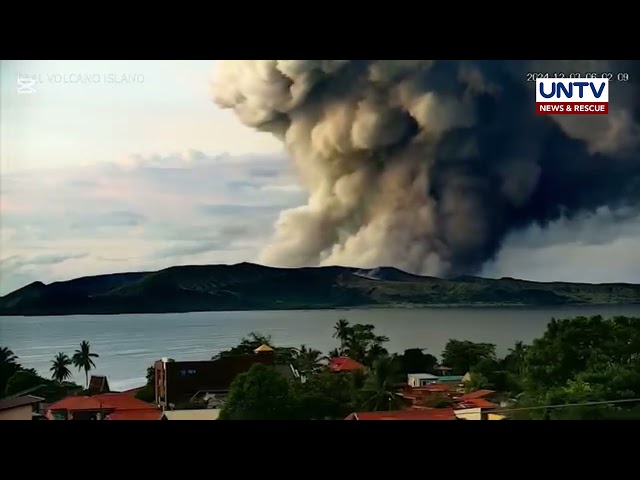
x: 612, y: 76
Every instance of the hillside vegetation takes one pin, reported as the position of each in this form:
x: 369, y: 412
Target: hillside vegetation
x: 247, y: 286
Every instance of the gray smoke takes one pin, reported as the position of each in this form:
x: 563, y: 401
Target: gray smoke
x: 427, y: 165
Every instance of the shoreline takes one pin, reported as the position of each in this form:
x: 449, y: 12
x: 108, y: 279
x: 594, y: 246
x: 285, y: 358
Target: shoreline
x: 435, y: 306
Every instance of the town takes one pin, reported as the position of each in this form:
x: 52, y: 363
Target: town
x: 359, y: 380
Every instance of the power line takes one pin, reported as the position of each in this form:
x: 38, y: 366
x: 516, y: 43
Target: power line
x: 564, y: 405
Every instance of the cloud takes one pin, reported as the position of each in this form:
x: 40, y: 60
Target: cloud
x: 111, y: 219
x: 139, y: 213
x: 17, y: 261
x: 598, y: 247
x: 148, y: 213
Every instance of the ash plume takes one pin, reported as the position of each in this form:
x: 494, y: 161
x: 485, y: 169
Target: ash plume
x: 427, y: 165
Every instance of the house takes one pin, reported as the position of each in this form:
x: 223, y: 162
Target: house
x: 442, y: 370
x: 344, y: 364
x: 409, y: 414
x: 451, y: 378
x: 179, y: 382
x: 112, y: 406
x: 476, y: 406
x: 200, y: 414
x: 98, y: 384
x: 421, y: 379
x: 20, y: 408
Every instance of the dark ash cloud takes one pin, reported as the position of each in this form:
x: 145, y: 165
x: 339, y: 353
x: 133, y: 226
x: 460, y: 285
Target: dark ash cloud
x: 430, y: 165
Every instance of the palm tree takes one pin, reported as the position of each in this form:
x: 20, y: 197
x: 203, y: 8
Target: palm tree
x: 59, y: 369
x: 8, y: 366
x: 336, y: 352
x: 518, y: 356
x: 7, y: 357
x: 307, y: 360
x: 342, y: 331
x: 380, y: 388
x: 82, y: 359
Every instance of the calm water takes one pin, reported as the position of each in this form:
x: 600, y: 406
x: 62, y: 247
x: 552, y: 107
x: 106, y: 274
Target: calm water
x: 128, y: 344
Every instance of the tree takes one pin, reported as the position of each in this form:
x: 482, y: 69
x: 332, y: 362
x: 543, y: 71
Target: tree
x: 307, y: 360
x: 8, y: 366
x: 258, y: 394
x: 461, y: 355
x: 342, y: 330
x: 27, y: 379
x: 83, y: 360
x: 359, y: 342
x: 253, y: 340
x: 148, y: 392
x: 60, y: 367
x: 516, y: 360
x: 380, y: 388
x: 325, y: 396
x: 414, y: 360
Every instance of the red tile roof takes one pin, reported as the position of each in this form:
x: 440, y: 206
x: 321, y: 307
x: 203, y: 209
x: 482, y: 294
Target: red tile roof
x: 132, y: 391
x: 344, y: 364
x: 150, y: 414
x: 477, y: 394
x: 411, y: 414
x: 477, y: 403
x: 104, y: 401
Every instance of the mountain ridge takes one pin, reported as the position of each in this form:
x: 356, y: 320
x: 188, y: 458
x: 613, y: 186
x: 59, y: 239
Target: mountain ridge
x: 249, y: 286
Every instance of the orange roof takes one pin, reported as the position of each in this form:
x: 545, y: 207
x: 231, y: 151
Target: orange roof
x: 344, y: 364
x: 412, y: 414
x: 76, y: 403
x: 477, y: 403
x: 263, y: 348
x: 132, y: 391
x: 139, y: 414
x: 477, y: 394
x: 104, y: 401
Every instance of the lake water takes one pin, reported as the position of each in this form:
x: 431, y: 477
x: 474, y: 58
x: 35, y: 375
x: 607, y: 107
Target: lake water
x: 128, y: 344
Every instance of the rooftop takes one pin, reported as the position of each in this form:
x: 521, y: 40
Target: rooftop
x: 104, y: 401
x: 423, y: 376
x: 98, y: 384
x: 476, y: 403
x: 451, y: 378
x: 7, y: 403
x: 477, y: 394
x: 410, y: 414
x: 344, y: 364
x: 263, y: 348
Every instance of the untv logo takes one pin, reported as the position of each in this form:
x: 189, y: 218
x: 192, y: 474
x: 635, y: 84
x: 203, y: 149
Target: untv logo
x: 572, y: 96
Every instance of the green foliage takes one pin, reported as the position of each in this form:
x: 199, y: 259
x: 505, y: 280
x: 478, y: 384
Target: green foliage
x: 461, y: 355
x: 8, y: 366
x: 83, y: 360
x: 326, y: 396
x: 51, y: 391
x: 60, y: 367
x: 259, y: 394
x: 414, y: 360
x: 253, y: 340
x: 379, y: 392
x: 148, y: 392
x: 360, y: 342
x: 307, y: 360
x: 583, y: 360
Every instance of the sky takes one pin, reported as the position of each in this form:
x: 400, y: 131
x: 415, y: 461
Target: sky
x: 112, y: 166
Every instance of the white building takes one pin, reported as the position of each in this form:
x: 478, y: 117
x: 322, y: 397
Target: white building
x: 421, y: 379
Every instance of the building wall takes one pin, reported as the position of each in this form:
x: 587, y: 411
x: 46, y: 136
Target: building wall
x: 469, y: 414
x: 184, y: 379
x: 23, y: 412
